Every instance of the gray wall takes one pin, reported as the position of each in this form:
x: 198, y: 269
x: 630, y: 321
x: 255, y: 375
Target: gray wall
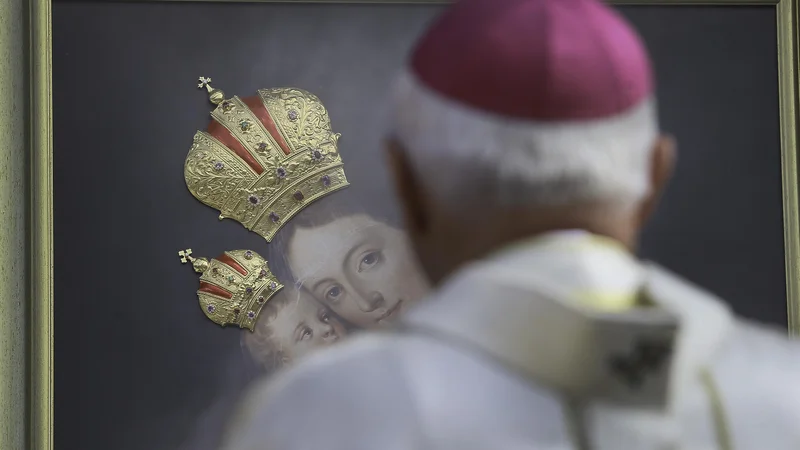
x: 136, y: 362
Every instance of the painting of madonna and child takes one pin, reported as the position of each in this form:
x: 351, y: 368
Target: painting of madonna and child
x: 271, y: 162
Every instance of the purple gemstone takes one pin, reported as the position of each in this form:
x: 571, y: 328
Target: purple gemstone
x: 219, y: 166
x: 274, y: 217
x: 299, y: 196
x: 292, y: 114
x: 261, y: 299
x: 254, y: 200
x: 273, y: 285
x: 262, y: 147
x: 281, y: 172
x: 227, y: 106
x: 248, y: 255
x: 215, y: 271
x: 317, y: 155
x: 251, y: 314
x: 211, y: 308
x: 326, y: 181
x: 263, y: 273
x: 249, y: 290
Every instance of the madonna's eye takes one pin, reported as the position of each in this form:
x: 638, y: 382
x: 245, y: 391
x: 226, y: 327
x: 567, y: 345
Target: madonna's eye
x: 369, y: 260
x: 334, y: 293
x: 306, y: 334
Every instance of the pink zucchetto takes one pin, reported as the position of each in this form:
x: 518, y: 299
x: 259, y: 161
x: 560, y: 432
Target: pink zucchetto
x: 535, y: 59
x: 548, y: 101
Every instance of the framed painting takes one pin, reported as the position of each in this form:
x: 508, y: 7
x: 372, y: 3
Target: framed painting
x: 115, y: 178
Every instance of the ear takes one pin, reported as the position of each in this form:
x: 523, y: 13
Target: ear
x: 408, y: 189
x: 662, y: 165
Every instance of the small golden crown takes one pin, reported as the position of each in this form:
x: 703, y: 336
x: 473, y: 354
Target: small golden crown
x: 264, y: 158
x: 234, y: 286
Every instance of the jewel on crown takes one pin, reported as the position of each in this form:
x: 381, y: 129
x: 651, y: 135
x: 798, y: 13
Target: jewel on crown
x: 264, y: 158
x: 233, y: 287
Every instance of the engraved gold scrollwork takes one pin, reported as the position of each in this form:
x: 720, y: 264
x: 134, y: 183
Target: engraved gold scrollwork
x: 267, y: 188
x: 302, y: 117
x: 247, y: 129
x: 286, y: 205
x: 212, y: 172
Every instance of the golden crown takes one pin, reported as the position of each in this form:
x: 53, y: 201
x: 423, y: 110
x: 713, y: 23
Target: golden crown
x: 234, y: 286
x: 264, y: 158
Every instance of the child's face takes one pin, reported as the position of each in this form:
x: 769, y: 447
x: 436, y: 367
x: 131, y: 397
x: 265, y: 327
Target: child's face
x: 302, y: 325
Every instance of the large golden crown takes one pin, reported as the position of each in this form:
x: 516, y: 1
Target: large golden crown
x: 234, y: 286
x: 264, y: 158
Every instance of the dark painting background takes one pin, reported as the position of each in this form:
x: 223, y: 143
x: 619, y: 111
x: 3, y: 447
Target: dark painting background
x: 137, y: 361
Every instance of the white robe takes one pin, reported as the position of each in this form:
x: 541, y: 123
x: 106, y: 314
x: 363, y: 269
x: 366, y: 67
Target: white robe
x: 508, y: 355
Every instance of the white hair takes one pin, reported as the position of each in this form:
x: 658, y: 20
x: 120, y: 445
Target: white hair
x: 460, y: 152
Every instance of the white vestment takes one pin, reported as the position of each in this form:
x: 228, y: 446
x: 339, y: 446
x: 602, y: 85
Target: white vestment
x: 510, y: 355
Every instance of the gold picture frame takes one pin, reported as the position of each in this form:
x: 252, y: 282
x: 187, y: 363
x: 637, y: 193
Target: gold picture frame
x: 26, y: 202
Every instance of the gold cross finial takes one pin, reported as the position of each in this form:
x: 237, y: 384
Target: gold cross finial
x: 186, y: 255
x: 199, y: 264
x: 214, y: 95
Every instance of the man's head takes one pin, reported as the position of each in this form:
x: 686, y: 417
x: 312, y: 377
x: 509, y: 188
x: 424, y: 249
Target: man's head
x: 517, y: 117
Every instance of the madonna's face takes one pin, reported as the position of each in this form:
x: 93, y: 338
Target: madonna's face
x: 360, y: 268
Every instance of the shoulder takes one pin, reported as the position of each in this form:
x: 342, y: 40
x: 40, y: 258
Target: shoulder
x: 757, y: 371
x: 762, y: 347
x: 761, y: 358
x: 329, y: 401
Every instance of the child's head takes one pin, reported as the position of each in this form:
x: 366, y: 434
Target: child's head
x: 290, y: 325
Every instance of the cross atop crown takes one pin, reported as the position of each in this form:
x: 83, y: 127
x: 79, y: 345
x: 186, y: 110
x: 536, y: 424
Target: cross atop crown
x: 199, y: 264
x: 186, y: 255
x: 216, y: 96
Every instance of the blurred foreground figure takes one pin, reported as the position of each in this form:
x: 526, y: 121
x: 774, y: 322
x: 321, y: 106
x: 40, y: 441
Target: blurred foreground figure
x: 527, y: 156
